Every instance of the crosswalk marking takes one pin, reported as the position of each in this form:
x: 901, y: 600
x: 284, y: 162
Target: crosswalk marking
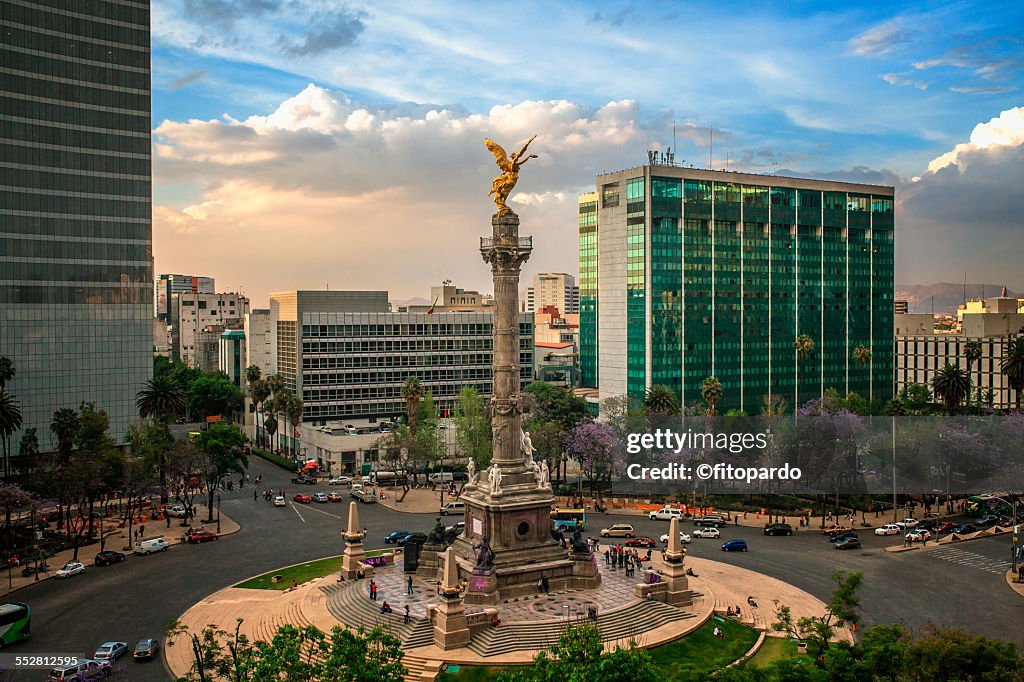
x: 964, y: 558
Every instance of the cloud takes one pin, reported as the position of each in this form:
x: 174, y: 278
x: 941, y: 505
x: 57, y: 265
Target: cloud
x: 990, y: 90
x: 328, y: 31
x: 902, y: 79
x: 225, y: 13
x: 881, y: 39
x: 1005, y: 130
x: 187, y: 79
x: 328, y: 188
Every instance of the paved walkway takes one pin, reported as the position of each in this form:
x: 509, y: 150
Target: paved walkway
x: 1016, y: 587
x: 115, y: 539
x: 717, y: 585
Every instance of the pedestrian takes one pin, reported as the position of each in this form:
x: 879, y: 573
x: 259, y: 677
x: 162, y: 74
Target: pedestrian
x: 405, y: 618
x: 736, y: 520
x: 607, y: 557
x: 142, y: 531
x: 408, y: 587
x: 168, y: 520
x: 547, y: 586
x: 373, y: 590
x: 255, y: 494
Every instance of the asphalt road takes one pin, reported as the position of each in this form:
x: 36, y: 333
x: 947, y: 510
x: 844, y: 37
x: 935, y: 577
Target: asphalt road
x: 138, y: 598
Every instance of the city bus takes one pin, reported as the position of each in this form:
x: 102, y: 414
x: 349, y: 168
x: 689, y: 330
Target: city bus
x: 979, y: 505
x: 15, y: 622
x: 568, y: 519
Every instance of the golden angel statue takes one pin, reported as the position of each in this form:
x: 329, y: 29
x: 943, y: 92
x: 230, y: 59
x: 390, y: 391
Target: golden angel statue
x: 509, y: 166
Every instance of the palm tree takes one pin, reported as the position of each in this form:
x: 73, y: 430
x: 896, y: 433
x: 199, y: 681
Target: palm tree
x: 711, y: 393
x: 293, y: 408
x: 661, y: 401
x: 972, y: 351
x: 952, y: 385
x: 161, y: 398
x: 260, y: 391
x: 861, y: 355
x: 6, y: 371
x: 412, y: 392
x: 772, y: 406
x: 804, y: 346
x: 64, y: 427
x: 1012, y: 366
x: 10, y: 421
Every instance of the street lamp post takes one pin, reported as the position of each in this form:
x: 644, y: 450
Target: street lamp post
x: 218, y: 513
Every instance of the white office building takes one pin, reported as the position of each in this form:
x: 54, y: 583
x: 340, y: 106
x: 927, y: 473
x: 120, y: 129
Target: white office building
x: 556, y: 289
x: 197, y: 312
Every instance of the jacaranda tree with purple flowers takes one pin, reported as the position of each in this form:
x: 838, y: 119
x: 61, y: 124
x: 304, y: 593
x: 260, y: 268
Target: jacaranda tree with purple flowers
x: 594, y: 446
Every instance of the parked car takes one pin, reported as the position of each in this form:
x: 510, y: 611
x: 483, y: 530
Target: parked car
x: 108, y: 557
x: 619, y: 530
x: 83, y: 671
x: 945, y: 527
x: 850, y: 542
x: 149, y: 545
x: 304, y: 480
x: 928, y: 524
x: 111, y: 651
x: 394, y: 536
x: 178, y: 511
x: 70, y: 568
x: 417, y: 538
x: 279, y: 501
x: 907, y: 523
x: 734, y: 546
x: 965, y: 528
x: 709, y: 532
x: 986, y: 521
x: 363, y: 495
x: 918, y: 535
x: 320, y: 498
x: 146, y: 649
x: 303, y: 498
x: 453, y: 508
x: 335, y: 497
x: 340, y: 480
x: 779, y: 529
x: 709, y: 520
x: 641, y: 541
x: 834, y: 529
x: 683, y: 537
x: 888, y: 529
x: 201, y: 536
x: 842, y: 536
x: 667, y: 514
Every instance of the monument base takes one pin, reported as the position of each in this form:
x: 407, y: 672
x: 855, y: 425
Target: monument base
x: 352, y: 567
x: 585, y: 574
x: 677, y: 585
x: 483, y: 587
x: 430, y: 562
x: 451, y: 630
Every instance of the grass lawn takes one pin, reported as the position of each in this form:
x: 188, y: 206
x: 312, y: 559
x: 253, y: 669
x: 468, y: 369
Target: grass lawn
x: 773, y: 649
x: 702, y: 652
x: 473, y: 673
x: 301, y: 573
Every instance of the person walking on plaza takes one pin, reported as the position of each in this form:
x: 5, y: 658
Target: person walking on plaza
x: 405, y: 618
x: 373, y: 590
x: 408, y: 587
x: 255, y: 494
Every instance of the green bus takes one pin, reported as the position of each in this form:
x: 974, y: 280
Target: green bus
x: 568, y: 519
x: 15, y: 622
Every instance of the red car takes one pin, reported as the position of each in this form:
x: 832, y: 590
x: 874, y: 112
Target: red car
x: 641, y: 541
x: 201, y: 536
x: 303, y: 497
x: 945, y: 527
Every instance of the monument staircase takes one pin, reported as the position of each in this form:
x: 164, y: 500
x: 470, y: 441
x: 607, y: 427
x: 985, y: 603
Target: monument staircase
x: 349, y: 604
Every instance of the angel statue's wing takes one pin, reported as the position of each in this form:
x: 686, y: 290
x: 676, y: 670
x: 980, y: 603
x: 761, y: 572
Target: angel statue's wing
x: 499, y: 154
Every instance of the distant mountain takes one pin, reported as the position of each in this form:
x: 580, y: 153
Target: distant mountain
x: 945, y: 296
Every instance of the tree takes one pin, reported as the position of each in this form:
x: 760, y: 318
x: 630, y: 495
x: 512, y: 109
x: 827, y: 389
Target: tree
x: 661, y: 401
x: 28, y: 452
x: 973, y: 353
x: 222, y: 446
x: 293, y: 409
x: 161, y: 398
x: 213, y: 394
x: 557, y: 404
x: 843, y: 608
x: 260, y: 391
x: 13, y: 498
x: 594, y: 446
x: 473, y: 428
x: 711, y: 393
x: 804, y: 347
x: 7, y: 371
x: 773, y: 405
x: 1012, y: 366
x: 10, y: 421
x: 64, y: 427
x: 862, y: 355
x: 412, y: 393
x: 579, y: 656
x: 952, y: 385
x: 185, y: 465
x: 95, y: 468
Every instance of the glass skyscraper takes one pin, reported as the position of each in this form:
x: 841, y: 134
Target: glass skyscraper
x: 76, y: 274
x: 692, y: 273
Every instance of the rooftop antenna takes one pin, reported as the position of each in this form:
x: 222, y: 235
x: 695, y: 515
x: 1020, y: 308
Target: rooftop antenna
x: 674, y: 135
x: 711, y: 145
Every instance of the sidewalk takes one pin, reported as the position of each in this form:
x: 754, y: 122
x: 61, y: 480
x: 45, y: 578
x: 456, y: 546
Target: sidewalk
x: 116, y: 540
x: 1016, y: 587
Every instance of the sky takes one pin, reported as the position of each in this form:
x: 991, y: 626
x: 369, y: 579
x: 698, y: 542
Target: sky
x: 304, y: 144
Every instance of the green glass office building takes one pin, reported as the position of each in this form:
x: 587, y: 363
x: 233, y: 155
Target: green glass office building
x: 691, y: 273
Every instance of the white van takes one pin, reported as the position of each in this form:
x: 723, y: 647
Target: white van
x: 149, y: 545
x: 453, y: 508
x: 441, y: 477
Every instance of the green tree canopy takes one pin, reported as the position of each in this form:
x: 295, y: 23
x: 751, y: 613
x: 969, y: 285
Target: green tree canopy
x: 579, y: 656
x: 213, y: 394
x: 558, y: 404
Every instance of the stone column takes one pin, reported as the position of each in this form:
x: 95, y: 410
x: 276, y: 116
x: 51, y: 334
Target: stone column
x: 351, y: 562
x: 451, y: 630
x: 677, y: 585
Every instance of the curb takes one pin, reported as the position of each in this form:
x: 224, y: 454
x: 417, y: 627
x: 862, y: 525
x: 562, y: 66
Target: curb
x: 750, y: 654
x: 1016, y: 587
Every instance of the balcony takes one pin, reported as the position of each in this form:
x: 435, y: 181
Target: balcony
x: 524, y: 243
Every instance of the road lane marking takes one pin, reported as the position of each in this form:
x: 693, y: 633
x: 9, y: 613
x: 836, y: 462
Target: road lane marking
x: 296, y: 510
x: 327, y: 513
x: 971, y: 560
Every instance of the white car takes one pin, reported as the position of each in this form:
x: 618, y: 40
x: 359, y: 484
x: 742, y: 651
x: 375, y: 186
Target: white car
x: 683, y: 537
x: 177, y: 511
x: 71, y: 568
x: 279, y: 501
x: 918, y: 535
x: 888, y: 529
x: 907, y: 523
x: 619, y: 530
x: 667, y: 514
x: 707, y: 532
x: 340, y: 480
